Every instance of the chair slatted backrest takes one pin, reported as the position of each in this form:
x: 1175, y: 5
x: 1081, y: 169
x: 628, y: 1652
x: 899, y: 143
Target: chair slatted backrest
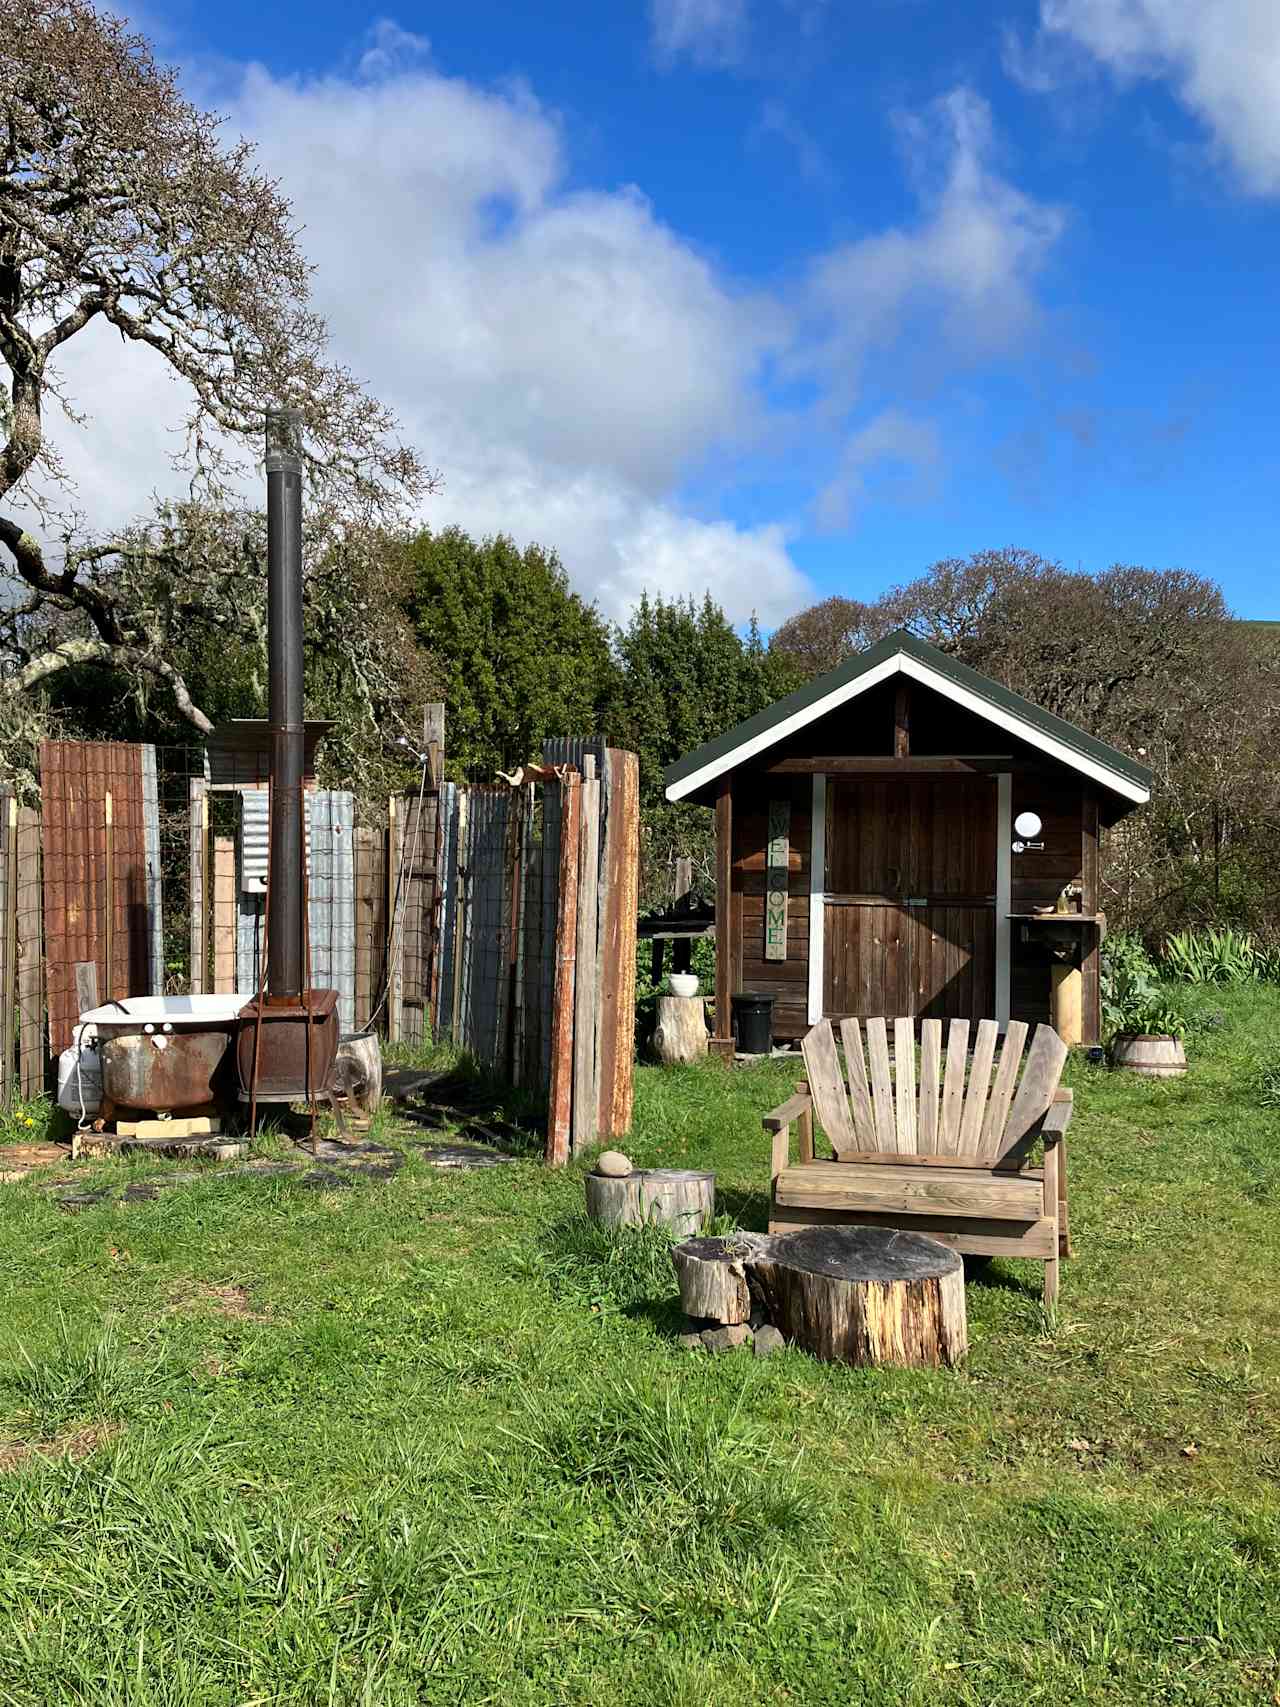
x: 974, y: 1107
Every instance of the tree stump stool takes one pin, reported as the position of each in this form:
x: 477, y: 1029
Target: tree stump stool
x: 681, y: 1031
x: 859, y: 1295
x: 683, y: 1199
x: 357, y: 1074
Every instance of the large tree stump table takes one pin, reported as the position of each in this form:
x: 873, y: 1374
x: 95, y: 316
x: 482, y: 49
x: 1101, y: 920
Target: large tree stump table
x: 859, y: 1295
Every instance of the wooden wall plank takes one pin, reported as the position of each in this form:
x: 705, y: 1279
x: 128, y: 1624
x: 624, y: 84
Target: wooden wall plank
x: 724, y: 908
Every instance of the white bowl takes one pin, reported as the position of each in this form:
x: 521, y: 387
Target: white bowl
x: 683, y: 984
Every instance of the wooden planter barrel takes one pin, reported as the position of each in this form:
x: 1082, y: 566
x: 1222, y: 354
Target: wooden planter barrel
x: 1156, y: 1057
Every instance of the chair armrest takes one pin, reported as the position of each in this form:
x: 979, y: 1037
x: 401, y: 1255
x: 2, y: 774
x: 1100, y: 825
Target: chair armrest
x: 1058, y: 1118
x: 788, y: 1111
x: 778, y: 1122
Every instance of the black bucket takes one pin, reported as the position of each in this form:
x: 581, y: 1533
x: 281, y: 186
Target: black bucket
x: 753, y: 1024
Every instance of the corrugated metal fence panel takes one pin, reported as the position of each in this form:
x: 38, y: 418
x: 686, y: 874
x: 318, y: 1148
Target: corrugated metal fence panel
x: 331, y: 893
x: 251, y: 915
x: 76, y: 777
x: 151, y: 833
x: 331, y: 898
x: 255, y: 836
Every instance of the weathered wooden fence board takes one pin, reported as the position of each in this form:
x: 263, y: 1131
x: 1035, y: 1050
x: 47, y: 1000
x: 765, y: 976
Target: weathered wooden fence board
x: 224, y: 915
x: 31, y: 1033
x: 618, y: 945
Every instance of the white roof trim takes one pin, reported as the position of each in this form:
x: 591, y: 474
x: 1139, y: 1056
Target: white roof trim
x: 904, y: 663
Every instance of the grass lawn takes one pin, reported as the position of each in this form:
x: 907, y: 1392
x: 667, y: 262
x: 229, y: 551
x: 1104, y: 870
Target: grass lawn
x: 430, y: 1440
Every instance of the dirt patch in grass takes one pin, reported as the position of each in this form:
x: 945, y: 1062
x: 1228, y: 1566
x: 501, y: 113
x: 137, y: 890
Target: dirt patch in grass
x: 77, y: 1443
x: 18, y: 1160
x: 231, y: 1301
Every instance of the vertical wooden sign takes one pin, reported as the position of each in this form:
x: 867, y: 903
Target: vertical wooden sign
x: 776, y: 880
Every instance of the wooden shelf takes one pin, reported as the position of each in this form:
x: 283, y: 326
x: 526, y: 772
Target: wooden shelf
x: 1057, y: 918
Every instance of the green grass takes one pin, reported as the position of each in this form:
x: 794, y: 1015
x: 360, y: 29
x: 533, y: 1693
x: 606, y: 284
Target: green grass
x: 430, y: 1441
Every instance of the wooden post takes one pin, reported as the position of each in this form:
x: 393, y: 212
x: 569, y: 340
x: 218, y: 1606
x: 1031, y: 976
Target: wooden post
x: 560, y: 1102
x: 586, y: 988
x: 31, y: 1032
x: 224, y: 915
x: 8, y: 1014
x: 433, y: 742
x: 684, y: 877
x: 618, y: 902
x: 1067, y: 983
x: 199, y: 846
x: 109, y: 895
x: 902, y: 719
x: 398, y: 901
x: 1090, y: 902
x: 724, y: 908
x: 366, y: 909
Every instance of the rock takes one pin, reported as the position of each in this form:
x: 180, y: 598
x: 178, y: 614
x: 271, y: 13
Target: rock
x: 614, y: 1165
x: 690, y: 1342
x: 768, y: 1340
x: 725, y: 1339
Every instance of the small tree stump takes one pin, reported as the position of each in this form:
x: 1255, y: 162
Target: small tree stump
x: 713, y: 1279
x: 860, y: 1295
x: 683, y: 1199
x: 681, y: 1031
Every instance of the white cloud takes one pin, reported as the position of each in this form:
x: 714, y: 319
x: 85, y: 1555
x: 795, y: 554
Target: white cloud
x: 709, y: 32
x: 574, y: 367
x: 961, y: 280
x: 900, y: 453
x: 565, y: 359
x: 1222, y: 58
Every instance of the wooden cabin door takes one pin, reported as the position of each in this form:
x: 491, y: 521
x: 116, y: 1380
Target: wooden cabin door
x: 909, y: 922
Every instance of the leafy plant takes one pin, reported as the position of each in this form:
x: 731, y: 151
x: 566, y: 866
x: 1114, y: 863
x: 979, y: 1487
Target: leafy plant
x: 1133, y: 1003
x: 1221, y: 956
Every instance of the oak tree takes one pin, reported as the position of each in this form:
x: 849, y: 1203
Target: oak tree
x: 123, y: 203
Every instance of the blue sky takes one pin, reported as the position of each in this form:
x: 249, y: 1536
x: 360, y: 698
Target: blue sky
x: 790, y: 297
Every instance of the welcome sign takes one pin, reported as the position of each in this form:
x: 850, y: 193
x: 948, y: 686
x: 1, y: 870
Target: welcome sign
x: 777, y: 864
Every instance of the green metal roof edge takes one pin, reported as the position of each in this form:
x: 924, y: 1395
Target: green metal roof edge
x: 902, y: 640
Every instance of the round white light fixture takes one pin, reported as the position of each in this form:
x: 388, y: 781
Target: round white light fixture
x: 1027, y: 825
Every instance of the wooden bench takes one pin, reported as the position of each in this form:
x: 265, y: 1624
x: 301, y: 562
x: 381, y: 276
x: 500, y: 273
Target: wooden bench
x: 943, y: 1145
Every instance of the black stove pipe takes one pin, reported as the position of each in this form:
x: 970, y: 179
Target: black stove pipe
x: 285, y: 924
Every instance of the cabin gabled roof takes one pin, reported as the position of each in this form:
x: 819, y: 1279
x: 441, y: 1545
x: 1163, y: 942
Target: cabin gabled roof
x: 902, y: 653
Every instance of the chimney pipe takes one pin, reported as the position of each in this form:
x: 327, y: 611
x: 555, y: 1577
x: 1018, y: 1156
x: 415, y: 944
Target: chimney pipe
x: 285, y: 923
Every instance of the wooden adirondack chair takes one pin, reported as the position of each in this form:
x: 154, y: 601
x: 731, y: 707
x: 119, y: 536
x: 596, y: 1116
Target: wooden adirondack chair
x: 950, y: 1157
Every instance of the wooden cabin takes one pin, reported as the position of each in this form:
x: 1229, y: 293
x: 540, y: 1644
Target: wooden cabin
x: 878, y: 850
